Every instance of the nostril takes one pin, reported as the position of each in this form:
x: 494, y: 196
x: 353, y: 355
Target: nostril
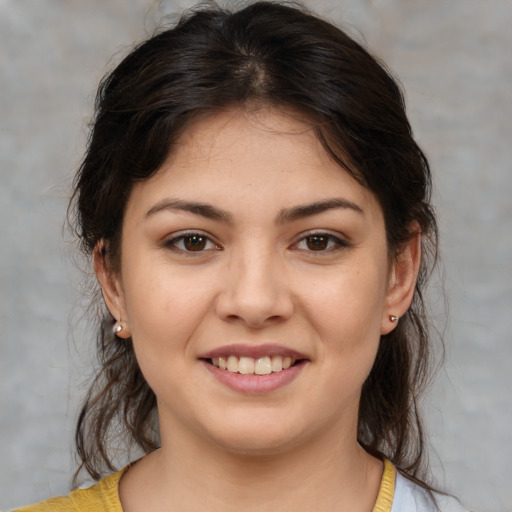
x: 246, y: 300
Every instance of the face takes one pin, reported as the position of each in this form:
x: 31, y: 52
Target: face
x: 256, y: 284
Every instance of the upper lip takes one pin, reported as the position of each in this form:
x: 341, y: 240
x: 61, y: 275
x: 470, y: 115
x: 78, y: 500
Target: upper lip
x: 254, y: 351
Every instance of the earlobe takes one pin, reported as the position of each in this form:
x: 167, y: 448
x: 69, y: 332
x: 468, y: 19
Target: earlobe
x: 402, y: 281
x: 110, y: 284
x: 121, y: 330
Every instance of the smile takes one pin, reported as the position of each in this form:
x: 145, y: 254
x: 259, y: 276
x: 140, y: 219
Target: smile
x: 257, y: 366
x: 255, y: 369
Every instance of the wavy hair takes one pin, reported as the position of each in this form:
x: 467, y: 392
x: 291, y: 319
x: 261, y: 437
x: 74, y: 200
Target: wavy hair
x: 271, y: 54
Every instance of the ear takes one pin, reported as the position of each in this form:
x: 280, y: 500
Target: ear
x: 110, y: 282
x: 402, y: 280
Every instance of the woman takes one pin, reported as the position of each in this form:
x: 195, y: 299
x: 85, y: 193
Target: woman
x: 258, y: 216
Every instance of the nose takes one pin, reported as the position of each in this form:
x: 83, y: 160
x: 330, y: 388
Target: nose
x: 255, y: 291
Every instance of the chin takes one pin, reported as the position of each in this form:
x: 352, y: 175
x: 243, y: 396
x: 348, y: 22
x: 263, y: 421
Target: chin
x: 256, y: 446
x: 249, y: 437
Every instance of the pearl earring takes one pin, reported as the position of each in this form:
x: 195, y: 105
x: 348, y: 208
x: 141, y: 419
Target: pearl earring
x: 393, y: 318
x: 121, y: 330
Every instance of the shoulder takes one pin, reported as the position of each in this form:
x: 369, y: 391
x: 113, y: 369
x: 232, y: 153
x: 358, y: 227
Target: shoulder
x: 410, y: 497
x: 101, y: 497
x: 61, y: 503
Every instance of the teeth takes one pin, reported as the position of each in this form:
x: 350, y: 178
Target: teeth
x: 248, y: 365
x: 232, y: 364
x: 263, y: 366
x: 277, y: 363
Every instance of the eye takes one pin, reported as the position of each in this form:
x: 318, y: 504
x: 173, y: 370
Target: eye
x: 191, y: 242
x: 320, y: 242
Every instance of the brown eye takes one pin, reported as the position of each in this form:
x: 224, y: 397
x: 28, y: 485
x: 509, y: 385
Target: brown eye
x: 191, y: 243
x: 321, y: 243
x: 195, y: 242
x: 317, y: 242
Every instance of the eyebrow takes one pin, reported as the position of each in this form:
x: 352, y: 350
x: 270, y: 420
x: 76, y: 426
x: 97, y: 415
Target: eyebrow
x: 203, y: 209
x: 307, y: 210
x: 287, y: 215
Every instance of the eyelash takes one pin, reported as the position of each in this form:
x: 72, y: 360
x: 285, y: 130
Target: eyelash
x: 334, y: 243
x: 173, y: 242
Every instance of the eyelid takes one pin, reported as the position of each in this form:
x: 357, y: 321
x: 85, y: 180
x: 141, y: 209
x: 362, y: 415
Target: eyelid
x: 171, y: 240
x: 340, y: 241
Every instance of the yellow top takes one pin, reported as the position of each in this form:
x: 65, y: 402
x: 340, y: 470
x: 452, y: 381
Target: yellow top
x: 387, y: 488
x: 104, y: 496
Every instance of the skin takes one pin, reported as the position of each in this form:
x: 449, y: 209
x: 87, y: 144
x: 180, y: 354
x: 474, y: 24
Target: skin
x: 256, y: 279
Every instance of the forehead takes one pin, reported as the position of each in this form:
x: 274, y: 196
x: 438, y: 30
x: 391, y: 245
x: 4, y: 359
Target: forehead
x: 259, y: 155
x: 219, y: 135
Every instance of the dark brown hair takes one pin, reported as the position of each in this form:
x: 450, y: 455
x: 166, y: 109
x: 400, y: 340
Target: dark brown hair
x: 277, y: 55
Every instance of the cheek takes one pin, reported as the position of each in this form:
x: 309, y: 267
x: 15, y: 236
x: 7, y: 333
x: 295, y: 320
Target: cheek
x: 346, y: 317
x: 346, y: 313
x: 164, y: 309
x: 348, y: 305
x: 163, y: 319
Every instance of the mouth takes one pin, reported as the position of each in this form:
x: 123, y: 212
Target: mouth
x: 254, y: 369
x: 254, y: 366
x: 254, y: 359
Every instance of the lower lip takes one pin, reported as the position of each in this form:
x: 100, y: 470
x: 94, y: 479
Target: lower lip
x: 256, y: 384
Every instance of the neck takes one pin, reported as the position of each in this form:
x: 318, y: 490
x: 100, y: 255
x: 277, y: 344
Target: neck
x: 324, y: 474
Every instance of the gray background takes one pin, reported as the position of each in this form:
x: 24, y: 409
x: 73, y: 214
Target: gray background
x: 454, y: 59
